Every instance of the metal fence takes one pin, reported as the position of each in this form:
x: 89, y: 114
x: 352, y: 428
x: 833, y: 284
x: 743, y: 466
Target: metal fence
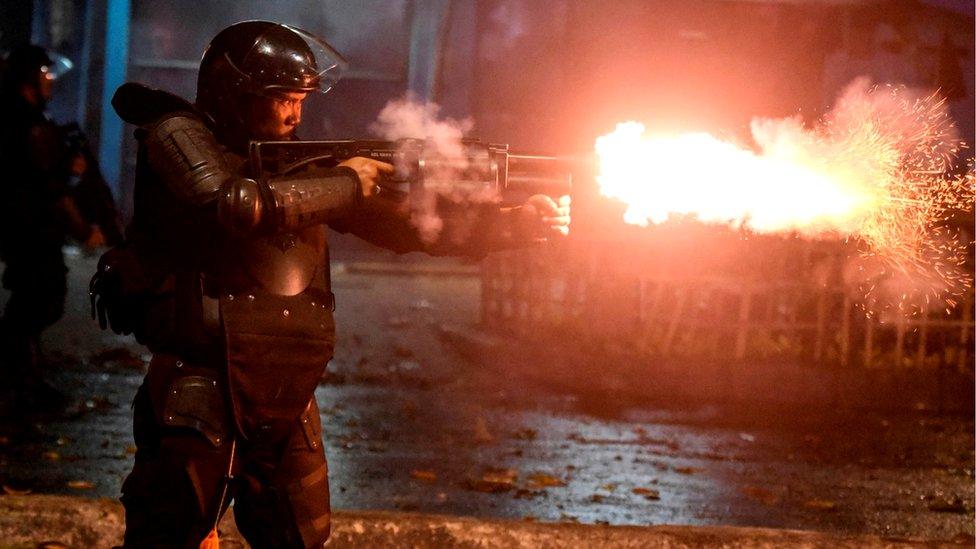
x: 717, y: 297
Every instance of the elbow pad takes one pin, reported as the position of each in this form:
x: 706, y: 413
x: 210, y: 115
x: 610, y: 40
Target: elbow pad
x: 241, y: 208
x: 288, y: 203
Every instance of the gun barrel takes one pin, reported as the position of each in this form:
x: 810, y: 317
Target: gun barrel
x: 532, y: 159
x: 539, y: 183
x: 550, y: 174
x: 541, y: 162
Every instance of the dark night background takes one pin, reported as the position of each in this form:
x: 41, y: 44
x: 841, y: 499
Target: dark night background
x: 439, y: 403
x: 543, y: 76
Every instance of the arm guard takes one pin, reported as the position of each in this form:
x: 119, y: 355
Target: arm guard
x: 290, y: 202
x: 193, y: 166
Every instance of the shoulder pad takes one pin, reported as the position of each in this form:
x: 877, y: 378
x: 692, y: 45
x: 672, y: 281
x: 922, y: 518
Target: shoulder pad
x: 140, y: 105
x: 185, y: 154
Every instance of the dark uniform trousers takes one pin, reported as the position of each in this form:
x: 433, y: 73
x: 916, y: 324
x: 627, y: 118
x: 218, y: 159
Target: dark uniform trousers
x: 37, y: 284
x: 31, y: 234
x: 279, y: 483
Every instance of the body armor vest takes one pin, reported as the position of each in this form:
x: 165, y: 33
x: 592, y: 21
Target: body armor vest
x: 258, y: 308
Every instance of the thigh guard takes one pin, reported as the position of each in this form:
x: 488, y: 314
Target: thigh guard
x: 170, y: 497
x: 286, y: 504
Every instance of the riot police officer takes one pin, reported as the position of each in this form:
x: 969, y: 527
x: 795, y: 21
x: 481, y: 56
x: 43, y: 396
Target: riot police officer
x: 36, y: 214
x: 88, y: 189
x: 225, y: 277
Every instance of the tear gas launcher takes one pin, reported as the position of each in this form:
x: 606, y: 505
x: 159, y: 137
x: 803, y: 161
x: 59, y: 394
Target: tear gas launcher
x: 469, y: 168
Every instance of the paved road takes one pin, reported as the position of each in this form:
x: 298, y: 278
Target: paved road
x: 410, y: 425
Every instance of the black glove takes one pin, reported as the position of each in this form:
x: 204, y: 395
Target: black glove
x: 118, y: 291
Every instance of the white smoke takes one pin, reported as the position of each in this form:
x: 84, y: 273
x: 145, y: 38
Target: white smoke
x: 409, y: 118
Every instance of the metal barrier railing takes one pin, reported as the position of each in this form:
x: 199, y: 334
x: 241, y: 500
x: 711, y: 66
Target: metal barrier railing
x: 776, y: 300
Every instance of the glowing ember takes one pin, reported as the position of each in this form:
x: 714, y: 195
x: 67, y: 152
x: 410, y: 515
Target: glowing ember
x: 874, y: 170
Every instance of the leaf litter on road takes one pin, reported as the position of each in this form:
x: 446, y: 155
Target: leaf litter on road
x: 493, y: 481
x: 544, y: 480
x: 424, y: 476
x: 649, y: 494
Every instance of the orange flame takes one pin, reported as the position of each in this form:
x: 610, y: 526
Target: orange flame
x: 876, y: 169
x: 699, y: 175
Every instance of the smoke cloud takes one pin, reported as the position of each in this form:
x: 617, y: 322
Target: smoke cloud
x: 444, y: 182
x: 408, y: 118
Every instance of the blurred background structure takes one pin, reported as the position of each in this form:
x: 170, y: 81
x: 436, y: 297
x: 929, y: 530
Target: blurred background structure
x: 543, y: 76
x: 638, y: 395
x: 552, y: 76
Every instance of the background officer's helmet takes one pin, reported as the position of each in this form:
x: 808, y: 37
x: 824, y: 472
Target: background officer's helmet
x: 26, y: 63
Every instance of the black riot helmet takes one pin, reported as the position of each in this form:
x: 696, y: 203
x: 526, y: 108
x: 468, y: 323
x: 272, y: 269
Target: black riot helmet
x: 261, y: 58
x: 28, y: 62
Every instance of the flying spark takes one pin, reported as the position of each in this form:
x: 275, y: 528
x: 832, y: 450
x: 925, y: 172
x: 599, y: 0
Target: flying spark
x: 876, y: 170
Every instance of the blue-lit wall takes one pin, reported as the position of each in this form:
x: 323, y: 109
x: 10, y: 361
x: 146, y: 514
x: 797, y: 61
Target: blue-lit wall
x: 113, y: 76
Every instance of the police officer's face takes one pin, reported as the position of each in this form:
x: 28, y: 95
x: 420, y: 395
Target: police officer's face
x: 275, y: 116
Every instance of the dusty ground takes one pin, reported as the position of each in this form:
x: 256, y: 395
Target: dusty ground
x: 35, y: 522
x: 410, y: 425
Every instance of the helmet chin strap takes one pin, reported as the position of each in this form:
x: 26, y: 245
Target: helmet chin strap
x: 290, y: 136
x: 233, y: 133
x: 232, y: 127
x: 237, y: 134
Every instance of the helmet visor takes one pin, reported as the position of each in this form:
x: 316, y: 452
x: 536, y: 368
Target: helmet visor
x: 286, y: 58
x: 58, y: 66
